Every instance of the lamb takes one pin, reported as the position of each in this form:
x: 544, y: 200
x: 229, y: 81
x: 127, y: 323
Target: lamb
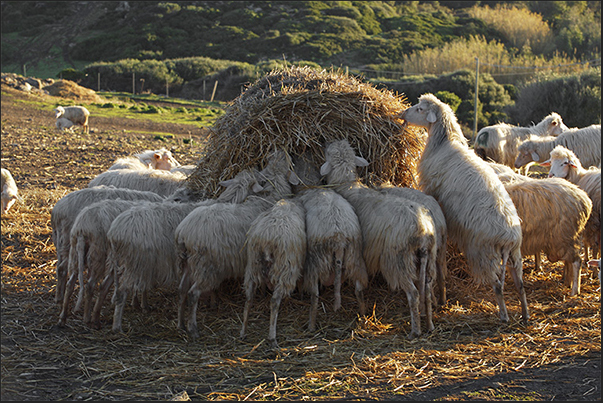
x: 334, y: 247
x: 584, y: 142
x: 499, y: 142
x: 10, y: 192
x: 398, y: 235
x: 185, y: 169
x: 142, y: 253
x: 553, y: 215
x: 485, y: 226
x: 164, y: 183
x: 64, y: 124
x: 276, y: 251
x: 64, y: 213
x: 76, y: 114
x: 439, y: 220
x: 148, y: 159
x: 211, y: 239
x: 565, y: 164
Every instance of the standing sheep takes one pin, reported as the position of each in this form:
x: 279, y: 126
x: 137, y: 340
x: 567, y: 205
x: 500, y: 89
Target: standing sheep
x: 276, y: 251
x: 334, y: 251
x: 480, y: 214
x: 553, y: 215
x: 10, y: 192
x: 565, y: 164
x: 211, y: 239
x: 64, y: 213
x: 499, y: 142
x: 162, y: 182
x: 142, y: 253
x: 148, y: 159
x: 584, y: 142
x: 398, y: 235
x: 439, y: 220
x: 77, y: 114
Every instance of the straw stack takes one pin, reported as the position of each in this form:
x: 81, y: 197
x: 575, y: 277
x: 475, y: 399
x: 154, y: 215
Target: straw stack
x: 300, y: 109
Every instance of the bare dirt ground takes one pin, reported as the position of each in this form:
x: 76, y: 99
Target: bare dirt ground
x: 469, y: 356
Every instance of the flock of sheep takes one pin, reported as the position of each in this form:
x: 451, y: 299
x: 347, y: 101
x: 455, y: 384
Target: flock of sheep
x: 290, y: 224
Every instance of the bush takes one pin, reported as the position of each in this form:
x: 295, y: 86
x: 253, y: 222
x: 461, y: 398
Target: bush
x: 576, y: 97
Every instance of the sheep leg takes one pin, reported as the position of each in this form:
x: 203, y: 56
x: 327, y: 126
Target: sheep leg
x: 193, y: 299
x: 183, y: 288
x: 102, y: 294
x: 68, y: 291
x: 337, y: 281
x: 249, y: 291
x: 275, y: 304
x: 313, y: 305
x: 517, y: 276
x: 422, y: 281
x: 575, y: 275
x: 412, y: 294
x: 359, y: 292
x: 120, y: 301
x: 498, y: 284
x: 61, y: 280
x: 537, y: 262
x: 441, y: 273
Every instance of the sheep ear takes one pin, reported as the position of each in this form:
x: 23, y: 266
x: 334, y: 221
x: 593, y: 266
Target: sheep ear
x: 257, y: 188
x: 293, y: 178
x: 325, y: 168
x: 431, y: 117
x: 535, y: 156
x: 360, y: 162
x: 546, y: 163
x: 157, y: 156
x: 572, y: 164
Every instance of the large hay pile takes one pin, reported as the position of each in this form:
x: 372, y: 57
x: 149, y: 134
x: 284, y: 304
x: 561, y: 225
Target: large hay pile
x: 300, y: 110
x: 70, y: 90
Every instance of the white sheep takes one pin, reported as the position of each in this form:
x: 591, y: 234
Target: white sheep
x: 553, y: 213
x: 334, y: 247
x: 76, y: 114
x: 584, y: 142
x: 276, y: 251
x: 10, y: 192
x: 64, y: 124
x: 88, y: 251
x: 396, y: 233
x: 142, y: 253
x: 185, y: 169
x: 148, y: 159
x: 499, y: 142
x: 565, y: 164
x: 162, y: 182
x: 439, y: 220
x: 211, y: 239
x: 64, y: 213
x: 480, y: 216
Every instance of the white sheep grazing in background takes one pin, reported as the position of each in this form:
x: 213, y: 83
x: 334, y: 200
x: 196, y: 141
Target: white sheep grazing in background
x: 553, y: 214
x: 584, y: 142
x: 439, y: 220
x: 88, y: 252
x: 481, y: 218
x: 565, y: 164
x: 211, y: 239
x: 276, y: 251
x: 499, y: 142
x: 10, y: 192
x: 162, y: 182
x: 142, y: 253
x: 334, y: 250
x: 76, y: 114
x: 399, y: 239
x: 148, y: 159
x: 64, y: 213
x: 64, y: 124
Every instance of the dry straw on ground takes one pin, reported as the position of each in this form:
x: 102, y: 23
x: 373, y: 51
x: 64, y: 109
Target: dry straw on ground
x: 300, y: 109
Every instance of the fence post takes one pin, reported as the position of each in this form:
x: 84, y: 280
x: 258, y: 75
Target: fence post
x: 133, y: 83
x: 476, y: 99
x: 214, y: 91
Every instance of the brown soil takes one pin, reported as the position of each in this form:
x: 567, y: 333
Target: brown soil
x: 470, y: 356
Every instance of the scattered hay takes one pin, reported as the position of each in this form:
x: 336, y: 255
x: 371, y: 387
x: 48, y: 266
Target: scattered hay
x: 300, y: 110
x: 70, y: 90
